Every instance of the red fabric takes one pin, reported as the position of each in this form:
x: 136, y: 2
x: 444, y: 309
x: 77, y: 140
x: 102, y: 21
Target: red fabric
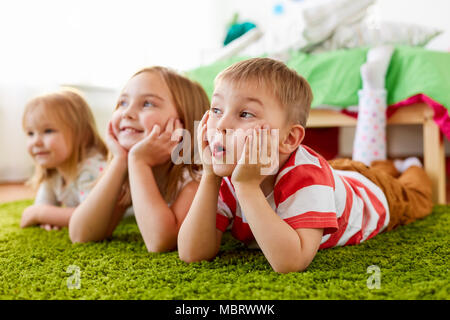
x: 441, y: 116
x: 323, y: 140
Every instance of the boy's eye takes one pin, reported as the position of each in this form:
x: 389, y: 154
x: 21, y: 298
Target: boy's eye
x: 30, y: 133
x: 48, y: 130
x: 246, y: 114
x: 216, y: 110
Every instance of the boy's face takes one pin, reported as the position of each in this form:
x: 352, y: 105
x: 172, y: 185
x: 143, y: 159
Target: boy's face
x: 235, y: 111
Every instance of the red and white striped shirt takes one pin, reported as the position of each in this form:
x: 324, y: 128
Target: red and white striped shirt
x: 308, y: 193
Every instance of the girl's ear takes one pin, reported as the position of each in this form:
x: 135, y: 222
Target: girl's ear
x: 292, y: 140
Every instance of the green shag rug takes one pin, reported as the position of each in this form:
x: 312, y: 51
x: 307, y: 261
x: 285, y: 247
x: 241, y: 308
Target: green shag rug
x: 410, y: 262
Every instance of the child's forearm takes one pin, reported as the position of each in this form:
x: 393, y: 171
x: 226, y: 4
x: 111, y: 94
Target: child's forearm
x: 198, y: 238
x: 92, y: 218
x: 279, y: 242
x: 53, y: 215
x: 156, y: 221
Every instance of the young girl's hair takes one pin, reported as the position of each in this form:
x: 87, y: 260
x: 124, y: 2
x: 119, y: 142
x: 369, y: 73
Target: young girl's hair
x: 191, y: 102
x: 74, y: 117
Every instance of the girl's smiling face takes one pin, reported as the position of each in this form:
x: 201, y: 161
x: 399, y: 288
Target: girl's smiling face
x: 48, y: 142
x: 145, y: 101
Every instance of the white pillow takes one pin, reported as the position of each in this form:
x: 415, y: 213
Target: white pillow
x: 363, y: 33
x: 323, y: 19
x: 440, y: 43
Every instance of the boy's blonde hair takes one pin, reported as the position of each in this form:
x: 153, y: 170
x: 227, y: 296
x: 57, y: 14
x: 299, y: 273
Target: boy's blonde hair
x: 77, y: 124
x: 290, y: 88
x: 191, y: 102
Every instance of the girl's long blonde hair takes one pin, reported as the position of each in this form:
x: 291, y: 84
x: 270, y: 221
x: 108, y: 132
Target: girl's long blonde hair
x: 191, y: 102
x: 77, y: 123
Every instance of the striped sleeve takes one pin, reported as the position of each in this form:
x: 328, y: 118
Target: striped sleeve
x: 310, y: 207
x: 305, y: 194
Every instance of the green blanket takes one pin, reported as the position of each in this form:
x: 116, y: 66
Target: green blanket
x: 335, y: 76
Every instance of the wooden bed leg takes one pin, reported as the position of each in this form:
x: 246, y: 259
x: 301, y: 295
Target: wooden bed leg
x: 434, y: 157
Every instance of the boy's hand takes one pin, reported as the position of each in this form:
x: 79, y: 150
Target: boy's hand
x: 156, y: 148
x: 113, y: 144
x: 256, y: 161
x: 203, y: 145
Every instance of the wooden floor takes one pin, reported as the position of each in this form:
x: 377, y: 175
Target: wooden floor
x: 16, y: 191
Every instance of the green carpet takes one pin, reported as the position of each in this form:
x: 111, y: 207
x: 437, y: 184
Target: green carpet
x: 412, y: 260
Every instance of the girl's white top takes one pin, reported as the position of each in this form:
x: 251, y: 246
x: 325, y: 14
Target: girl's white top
x: 55, y: 191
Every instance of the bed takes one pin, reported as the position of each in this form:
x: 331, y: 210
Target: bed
x: 418, y: 85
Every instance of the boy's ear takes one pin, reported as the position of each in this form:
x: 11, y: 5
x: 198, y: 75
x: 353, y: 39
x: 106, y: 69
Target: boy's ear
x: 293, y: 139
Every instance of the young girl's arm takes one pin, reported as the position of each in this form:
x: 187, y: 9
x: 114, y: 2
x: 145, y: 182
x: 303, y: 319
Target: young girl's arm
x: 46, y: 211
x: 46, y: 214
x: 91, y: 220
x: 158, y: 223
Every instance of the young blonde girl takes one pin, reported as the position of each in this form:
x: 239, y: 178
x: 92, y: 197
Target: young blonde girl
x: 68, y: 153
x: 154, y: 103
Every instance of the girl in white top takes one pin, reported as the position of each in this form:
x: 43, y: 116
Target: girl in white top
x: 154, y: 103
x: 68, y: 153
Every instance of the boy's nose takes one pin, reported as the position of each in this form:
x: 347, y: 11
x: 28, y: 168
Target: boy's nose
x: 224, y: 123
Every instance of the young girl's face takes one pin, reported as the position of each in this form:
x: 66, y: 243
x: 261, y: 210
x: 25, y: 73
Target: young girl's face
x: 47, y: 142
x: 145, y: 101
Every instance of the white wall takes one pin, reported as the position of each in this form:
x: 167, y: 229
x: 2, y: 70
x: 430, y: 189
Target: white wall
x: 101, y: 43
x: 96, y: 44
x: 433, y: 13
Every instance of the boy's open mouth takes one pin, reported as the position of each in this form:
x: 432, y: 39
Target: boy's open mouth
x: 218, y: 150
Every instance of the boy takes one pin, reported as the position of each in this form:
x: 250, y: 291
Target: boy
x: 305, y: 204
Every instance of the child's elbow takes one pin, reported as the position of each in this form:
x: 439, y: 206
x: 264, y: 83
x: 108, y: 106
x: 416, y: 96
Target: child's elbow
x: 289, y: 267
x: 159, y: 247
x: 77, y: 237
x: 190, y: 257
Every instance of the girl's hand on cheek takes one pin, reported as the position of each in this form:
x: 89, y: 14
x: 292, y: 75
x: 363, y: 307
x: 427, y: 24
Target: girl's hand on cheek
x: 113, y: 144
x: 156, y: 148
